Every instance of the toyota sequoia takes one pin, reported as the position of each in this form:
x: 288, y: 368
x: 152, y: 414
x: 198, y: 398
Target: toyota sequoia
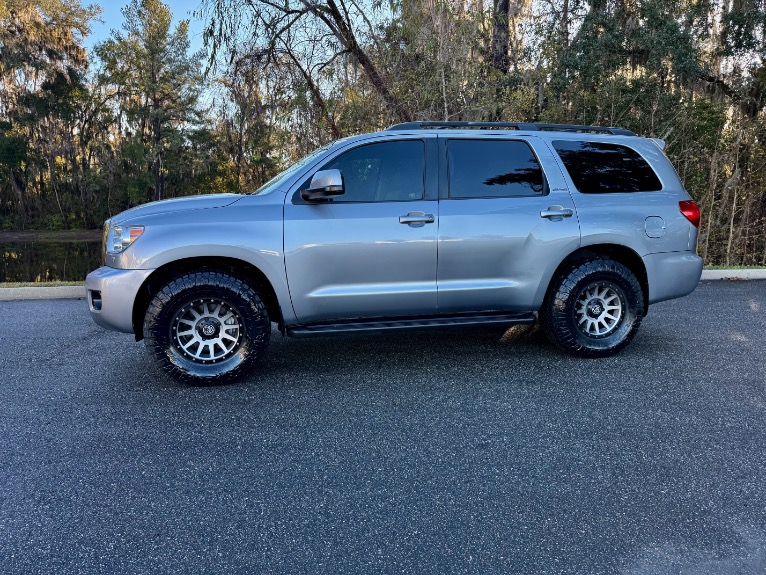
x: 423, y: 225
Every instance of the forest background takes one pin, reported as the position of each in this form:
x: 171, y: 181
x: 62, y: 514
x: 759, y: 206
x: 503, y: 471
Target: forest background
x: 85, y: 134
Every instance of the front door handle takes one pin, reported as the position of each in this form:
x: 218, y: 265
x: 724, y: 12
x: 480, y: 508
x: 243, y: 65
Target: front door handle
x: 556, y: 213
x: 417, y: 219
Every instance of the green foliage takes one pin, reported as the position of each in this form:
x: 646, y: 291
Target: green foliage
x: 51, y: 222
x: 156, y: 84
x: 13, y: 149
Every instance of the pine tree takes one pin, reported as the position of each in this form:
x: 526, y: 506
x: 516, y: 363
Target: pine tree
x: 155, y: 79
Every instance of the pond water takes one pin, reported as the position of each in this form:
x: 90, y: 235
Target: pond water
x: 41, y: 261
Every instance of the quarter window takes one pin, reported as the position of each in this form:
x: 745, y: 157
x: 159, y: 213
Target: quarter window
x: 599, y: 168
x: 493, y: 168
x: 382, y: 172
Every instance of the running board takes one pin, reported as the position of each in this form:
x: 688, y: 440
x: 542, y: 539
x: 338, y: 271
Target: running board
x: 411, y: 323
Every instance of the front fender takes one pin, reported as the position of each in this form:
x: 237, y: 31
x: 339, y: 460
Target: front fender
x: 252, y: 234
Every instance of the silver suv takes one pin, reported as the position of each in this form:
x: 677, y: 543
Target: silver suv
x: 423, y: 225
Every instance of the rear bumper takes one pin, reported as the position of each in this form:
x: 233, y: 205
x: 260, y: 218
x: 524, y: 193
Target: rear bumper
x: 672, y: 274
x: 111, y: 294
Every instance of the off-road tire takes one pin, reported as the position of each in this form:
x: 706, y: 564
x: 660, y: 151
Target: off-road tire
x: 237, y: 300
x: 571, y: 325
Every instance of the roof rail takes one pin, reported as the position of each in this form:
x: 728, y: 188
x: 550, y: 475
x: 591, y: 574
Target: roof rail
x: 531, y: 127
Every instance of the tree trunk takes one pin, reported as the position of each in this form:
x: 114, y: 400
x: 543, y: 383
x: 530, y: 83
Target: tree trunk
x: 54, y: 183
x: 500, y: 35
x: 159, y: 173
x: 731, y: 229
x: 564, y: 28
x: 19, y: 187
x: 341, y: 28
x: 316, y: 95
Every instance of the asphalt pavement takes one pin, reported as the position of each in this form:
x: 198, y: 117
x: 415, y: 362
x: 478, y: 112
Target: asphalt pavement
x: 441, y: 452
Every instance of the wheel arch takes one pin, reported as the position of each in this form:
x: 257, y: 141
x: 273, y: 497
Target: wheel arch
x: 171, y: 270
x: 619, y: 253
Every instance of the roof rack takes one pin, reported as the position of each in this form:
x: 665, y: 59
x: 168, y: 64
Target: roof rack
x: 531, y: 127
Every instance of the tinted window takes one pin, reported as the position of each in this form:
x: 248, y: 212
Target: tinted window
x: 383, y: 172
x: 598, y: 168
x: 493, y: 168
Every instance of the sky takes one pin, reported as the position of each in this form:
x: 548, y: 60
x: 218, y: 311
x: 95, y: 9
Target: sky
x: 112, y: 20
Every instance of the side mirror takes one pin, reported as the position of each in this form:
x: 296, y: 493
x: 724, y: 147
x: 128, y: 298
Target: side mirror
x: 325, y: 185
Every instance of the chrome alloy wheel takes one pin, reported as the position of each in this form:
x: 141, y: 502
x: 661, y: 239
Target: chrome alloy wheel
x: 599, y: 310
x: 206, y: 330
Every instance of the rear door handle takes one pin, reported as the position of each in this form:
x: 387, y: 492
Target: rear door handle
x: 556, y: 213
x: 417, y: 219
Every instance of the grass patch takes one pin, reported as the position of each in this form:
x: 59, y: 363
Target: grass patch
x: 734, y: 267
x: 39, y: 284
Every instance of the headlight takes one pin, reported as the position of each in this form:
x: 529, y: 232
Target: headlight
x: 119, y: 238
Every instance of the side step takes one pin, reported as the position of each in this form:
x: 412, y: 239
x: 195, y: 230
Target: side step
x: 410, y: 323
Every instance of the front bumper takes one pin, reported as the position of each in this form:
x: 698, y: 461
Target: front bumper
x: 672, y: 274
x: 111, y: 294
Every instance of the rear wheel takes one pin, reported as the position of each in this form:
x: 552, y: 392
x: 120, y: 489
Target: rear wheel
x: 593, y: 309
x: 206, y: 328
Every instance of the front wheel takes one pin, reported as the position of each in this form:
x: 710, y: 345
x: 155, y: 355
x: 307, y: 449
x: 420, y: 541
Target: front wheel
x: 594, y: 309
x: 206, y: 328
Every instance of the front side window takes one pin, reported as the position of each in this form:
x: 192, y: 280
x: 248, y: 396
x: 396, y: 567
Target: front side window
x: 599, y: 168
x: 382, y: 172
x: 493, y: 168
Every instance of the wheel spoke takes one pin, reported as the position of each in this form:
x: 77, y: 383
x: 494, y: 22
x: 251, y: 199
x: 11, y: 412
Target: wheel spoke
x: 598, y: 309
x: 197, y: 354
x: 195, y: 318
x: 187, y: 346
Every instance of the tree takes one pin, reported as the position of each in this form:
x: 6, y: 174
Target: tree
x: 275, y: 23
x: 42, y: 68
x: 154, y: 78
x: 244, y: 122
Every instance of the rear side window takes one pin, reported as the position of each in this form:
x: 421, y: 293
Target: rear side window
x: 493, y: 168
x: 598, y: 168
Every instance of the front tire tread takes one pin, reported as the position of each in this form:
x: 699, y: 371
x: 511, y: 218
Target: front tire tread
x: 162, y: 307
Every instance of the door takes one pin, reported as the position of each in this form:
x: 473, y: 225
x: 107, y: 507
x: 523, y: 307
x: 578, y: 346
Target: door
x: 506, y: 221
x: 372, y: 251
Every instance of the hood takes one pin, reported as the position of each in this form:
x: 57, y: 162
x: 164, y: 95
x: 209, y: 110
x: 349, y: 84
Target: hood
x: 177, y: 205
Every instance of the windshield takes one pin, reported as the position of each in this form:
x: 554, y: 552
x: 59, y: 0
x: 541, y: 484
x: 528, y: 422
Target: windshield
x: 274, y: 182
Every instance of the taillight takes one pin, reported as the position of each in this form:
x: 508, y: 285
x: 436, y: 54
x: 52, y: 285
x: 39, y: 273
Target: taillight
x: 691, y: 212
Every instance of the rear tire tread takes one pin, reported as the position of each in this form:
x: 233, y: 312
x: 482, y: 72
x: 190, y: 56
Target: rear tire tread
x: 556, y: 313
